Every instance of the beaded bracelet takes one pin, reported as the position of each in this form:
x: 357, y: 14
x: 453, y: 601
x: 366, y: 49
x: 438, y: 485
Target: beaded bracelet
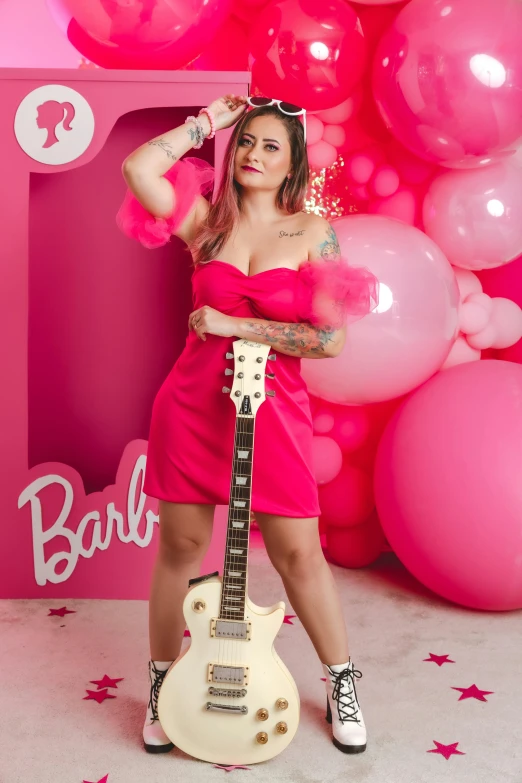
x: 210, y: 115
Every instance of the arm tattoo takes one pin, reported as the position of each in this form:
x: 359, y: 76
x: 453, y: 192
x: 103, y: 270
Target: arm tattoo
x: 164, y: 145
x: 301, y: 339
x: 329, y: 249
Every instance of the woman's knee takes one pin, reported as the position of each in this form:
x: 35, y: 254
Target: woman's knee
x: 185, y: 531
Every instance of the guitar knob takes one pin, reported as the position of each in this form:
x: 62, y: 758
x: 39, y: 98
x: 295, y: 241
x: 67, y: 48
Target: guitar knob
x: 262, y: 737
x: 262, y: 714
x: 282, y: 704
x: 226, y: 390
x: 281, y: 728
x: 272, y: 357
x: 270, y: 393
x: 229, y: 355
x: 270, y: 375
x: 228, y: 371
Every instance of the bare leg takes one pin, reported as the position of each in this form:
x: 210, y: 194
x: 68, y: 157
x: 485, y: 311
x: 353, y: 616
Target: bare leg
x: 185, y: 533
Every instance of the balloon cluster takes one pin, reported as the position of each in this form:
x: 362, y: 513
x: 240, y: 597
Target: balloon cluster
x: 419, y: 106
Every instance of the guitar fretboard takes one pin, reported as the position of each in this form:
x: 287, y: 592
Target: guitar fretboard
x: 234, y: 585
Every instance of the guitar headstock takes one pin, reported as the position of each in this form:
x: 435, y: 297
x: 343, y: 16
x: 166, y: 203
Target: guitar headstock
x: 248, y: 388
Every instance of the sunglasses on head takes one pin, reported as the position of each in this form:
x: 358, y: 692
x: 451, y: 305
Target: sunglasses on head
x: 283, y: 106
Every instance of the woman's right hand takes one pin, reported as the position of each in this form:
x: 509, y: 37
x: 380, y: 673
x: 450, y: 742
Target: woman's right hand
x: 224, y: 115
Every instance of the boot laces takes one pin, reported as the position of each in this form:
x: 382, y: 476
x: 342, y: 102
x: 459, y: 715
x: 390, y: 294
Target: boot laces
x: 157, y: 681
x: 346, y: 698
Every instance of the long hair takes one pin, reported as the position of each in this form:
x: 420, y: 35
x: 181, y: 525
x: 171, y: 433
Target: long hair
x: 224, y: 213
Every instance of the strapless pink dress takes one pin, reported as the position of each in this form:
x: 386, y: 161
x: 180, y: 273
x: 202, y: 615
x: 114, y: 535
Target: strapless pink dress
x: 191, y: 438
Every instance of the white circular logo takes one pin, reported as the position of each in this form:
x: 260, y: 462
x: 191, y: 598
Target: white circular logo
x: 54, y: 124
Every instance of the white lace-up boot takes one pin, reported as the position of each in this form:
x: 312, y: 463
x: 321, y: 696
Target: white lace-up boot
x: 154, y: 738
x: 342, y: 707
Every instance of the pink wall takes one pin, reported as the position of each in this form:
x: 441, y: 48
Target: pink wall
x: 91, y: 324
x: 29, y: 37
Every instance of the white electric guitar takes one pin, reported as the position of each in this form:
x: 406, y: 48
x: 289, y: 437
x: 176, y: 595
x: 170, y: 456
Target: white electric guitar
x: 229, y: 698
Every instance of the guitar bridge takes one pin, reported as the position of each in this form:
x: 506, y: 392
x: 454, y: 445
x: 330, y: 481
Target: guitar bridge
x: 239, y: 630
x: 239, y: 710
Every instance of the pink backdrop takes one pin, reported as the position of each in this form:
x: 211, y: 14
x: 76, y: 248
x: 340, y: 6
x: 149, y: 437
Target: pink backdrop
x: 91, y: 324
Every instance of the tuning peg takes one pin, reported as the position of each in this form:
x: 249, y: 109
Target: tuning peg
x: 270, y: 393
x: 270, y: 375
x: 226, y: 390
x: 228, y: 371
x: 272, y: 357
x: 229, y: 355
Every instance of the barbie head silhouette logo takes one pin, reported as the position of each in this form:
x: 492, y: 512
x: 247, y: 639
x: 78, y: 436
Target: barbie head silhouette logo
x: 54, y: 124
x: 50, y: 114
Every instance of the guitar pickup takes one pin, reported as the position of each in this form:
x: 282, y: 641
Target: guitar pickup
x: 231, y: 675
x: 239, y: 630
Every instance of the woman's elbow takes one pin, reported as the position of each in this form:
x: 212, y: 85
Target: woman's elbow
x: 336, y: 345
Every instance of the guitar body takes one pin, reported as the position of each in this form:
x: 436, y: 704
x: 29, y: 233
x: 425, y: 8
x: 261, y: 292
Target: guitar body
x: 255, y: 702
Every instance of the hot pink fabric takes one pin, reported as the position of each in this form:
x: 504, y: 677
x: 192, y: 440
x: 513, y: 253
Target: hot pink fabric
x: 191, y: 436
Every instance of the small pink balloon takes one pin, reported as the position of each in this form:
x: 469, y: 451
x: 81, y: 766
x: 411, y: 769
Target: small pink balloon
x: 314, y: 130
x: 475, y: 216
x: 360, y: 168
x: 412, y: 170
x: 447, y: 79
x: 323, y: 423
x: 327, y: 459
x: 360, y: 193
x: 467, y: 281
x: 406, y: 339
x: 475, y: 313
x: 334, y: 135
x: 350, y: 427
x: 505, y: 323
x: 385, y: 181
x: 503, y: 280
x: 348, y: 499
x: 356, y: 547
x: 321, y: 155
x: 447, y: 484
x: 310, y: 54
x: 402, y: 206
x: 344, y: 110
x: 461, y: 352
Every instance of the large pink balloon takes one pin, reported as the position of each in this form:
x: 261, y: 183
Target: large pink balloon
x: 409, y: 335
x: 308, y: 53
x: 447, y: 79
x: 475, y: 216
x: 152, y: 34
x: 448, y: 487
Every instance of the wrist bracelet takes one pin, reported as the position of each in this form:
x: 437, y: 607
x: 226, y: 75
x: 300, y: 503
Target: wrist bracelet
x: 210, y: 115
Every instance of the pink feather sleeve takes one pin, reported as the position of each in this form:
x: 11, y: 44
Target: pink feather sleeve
x: 190, y: 177
x: 334, y: 293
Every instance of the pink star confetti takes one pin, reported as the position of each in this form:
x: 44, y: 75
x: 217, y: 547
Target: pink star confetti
x: 438, y: 659
x: 60, y: 612
x: 230, y: 767
x: 107, y: 682
x: 102, y: 780
x: 473, y: 693
x: 446, y: 750
x: 98, y: 696
x: 288, y: 618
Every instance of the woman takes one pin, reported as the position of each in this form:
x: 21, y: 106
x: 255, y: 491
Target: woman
x: 267, y: 271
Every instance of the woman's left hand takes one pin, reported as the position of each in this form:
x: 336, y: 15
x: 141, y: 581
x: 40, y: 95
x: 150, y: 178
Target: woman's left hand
x: 206, y: 320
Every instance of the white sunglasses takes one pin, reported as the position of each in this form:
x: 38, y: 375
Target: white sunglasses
x: 283, y: 106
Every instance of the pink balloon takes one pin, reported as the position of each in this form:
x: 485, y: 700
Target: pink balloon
x: 355, y: 547
x: 360, y: 168
x: 323, y: 422
x: 475, y: 216
x: 385, y: 181
x: 334, y: 135
x: 309, y: 54
x: 401, y: 205
x: 327, y: 459
x: 447, y: 79
x: 412, y: 170
x: 447, y: 484
x: 351, y: 427
x: 228, y: 50
x: 407, y: 338
x: 314, y: 130
x: 163, y: 34
x: 321, y: 155
x: 504, y: 327
x: 504, y: 280
x: 246, y: 9
x: 344, y: 110
x: 348, y: 499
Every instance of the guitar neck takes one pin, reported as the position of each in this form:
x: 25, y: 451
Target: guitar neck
x: 234, y: 585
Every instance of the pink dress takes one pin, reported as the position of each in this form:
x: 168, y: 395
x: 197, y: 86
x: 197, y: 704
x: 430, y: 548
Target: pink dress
x: 191, y: 437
